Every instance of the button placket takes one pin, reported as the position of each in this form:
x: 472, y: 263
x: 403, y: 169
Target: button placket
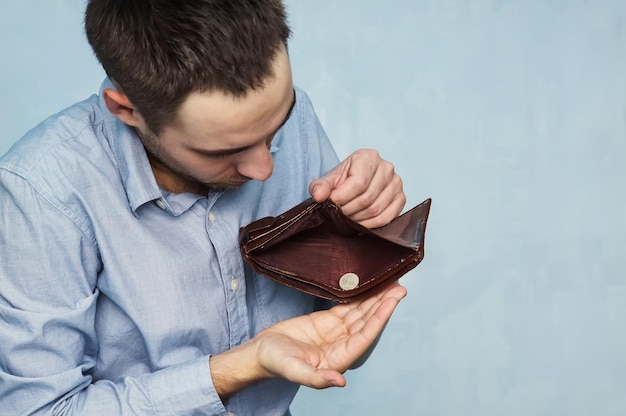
x: 231, y: 272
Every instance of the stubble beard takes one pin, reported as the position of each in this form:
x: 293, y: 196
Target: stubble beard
x: 160, y: 160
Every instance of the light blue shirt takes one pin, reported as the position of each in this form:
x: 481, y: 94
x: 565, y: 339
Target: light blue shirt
x: 114, y: 293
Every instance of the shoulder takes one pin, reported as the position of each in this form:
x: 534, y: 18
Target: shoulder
x: 56, y: 140
x: 64, y: 160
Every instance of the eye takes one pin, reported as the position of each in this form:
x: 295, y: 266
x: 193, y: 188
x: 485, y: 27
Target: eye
x: 219, y: 156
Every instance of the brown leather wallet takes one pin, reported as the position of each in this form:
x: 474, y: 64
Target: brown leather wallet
x: 316, y: 249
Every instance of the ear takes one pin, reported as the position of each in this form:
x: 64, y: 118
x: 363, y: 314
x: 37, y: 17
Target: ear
x: 119, y: 104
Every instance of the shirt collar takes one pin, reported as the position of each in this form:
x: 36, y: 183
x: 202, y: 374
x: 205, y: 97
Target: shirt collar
x: 131, y: 158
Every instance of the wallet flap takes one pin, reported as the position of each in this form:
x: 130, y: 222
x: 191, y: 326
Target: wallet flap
x: 409, y: 228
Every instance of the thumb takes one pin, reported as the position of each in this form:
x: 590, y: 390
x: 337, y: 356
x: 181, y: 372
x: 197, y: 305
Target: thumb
x: 301, y: 372
x: 320, y: 189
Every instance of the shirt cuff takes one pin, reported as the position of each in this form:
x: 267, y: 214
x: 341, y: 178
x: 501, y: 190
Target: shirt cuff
x: 185, y: 389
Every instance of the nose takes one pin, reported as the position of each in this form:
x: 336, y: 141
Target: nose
x: 258, y: 164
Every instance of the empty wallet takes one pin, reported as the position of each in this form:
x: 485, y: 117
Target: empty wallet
x: 315, y: 248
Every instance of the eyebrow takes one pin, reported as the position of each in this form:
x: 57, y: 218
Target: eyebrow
x: 228, y: 152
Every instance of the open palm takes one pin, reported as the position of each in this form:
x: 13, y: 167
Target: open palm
x: 314, y: 350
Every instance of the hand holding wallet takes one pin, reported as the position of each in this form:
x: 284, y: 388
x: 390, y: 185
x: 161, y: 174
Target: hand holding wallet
x: 315, y: 248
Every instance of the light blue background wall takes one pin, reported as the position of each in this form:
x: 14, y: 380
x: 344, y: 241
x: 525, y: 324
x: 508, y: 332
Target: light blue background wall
x: 511, y: 115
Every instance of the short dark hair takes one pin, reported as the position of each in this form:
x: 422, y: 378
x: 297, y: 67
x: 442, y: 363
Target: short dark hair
x: 159, y: 51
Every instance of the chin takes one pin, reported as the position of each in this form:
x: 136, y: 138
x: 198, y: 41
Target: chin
x: 226, y: 186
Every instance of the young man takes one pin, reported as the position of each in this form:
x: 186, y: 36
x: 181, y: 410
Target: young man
x: 122, y: 289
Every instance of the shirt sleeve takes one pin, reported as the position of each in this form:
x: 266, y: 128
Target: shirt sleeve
x: 49, y: 265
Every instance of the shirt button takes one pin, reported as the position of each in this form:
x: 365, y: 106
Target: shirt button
x: 160, y: 203
x: 212, y: 216
x: 234, y: 285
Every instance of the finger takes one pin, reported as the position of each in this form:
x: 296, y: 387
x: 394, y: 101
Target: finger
x: 364, y: 186
x: 349, y: 179
x: 365, y: 332
x: 395, y: 291
x: 373, y: 326
x: 320, y: 189
x: 381, y: 213
x: 362, y: 311
x: 387, y: 205
x: 372, y: 201
x: 359, y: 306
x: 356, y: 176
x: 385, y: 217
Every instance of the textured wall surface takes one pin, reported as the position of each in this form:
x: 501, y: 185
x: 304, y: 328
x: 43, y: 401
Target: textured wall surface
x: 511, y: 115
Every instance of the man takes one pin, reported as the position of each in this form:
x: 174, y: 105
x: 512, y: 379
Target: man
x: 122, y: 289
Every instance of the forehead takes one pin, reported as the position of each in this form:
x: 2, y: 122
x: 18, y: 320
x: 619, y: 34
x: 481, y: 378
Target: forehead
x: 218, y: 116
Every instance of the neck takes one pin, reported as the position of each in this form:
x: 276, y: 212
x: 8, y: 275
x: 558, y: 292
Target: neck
x: 172, y: 182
